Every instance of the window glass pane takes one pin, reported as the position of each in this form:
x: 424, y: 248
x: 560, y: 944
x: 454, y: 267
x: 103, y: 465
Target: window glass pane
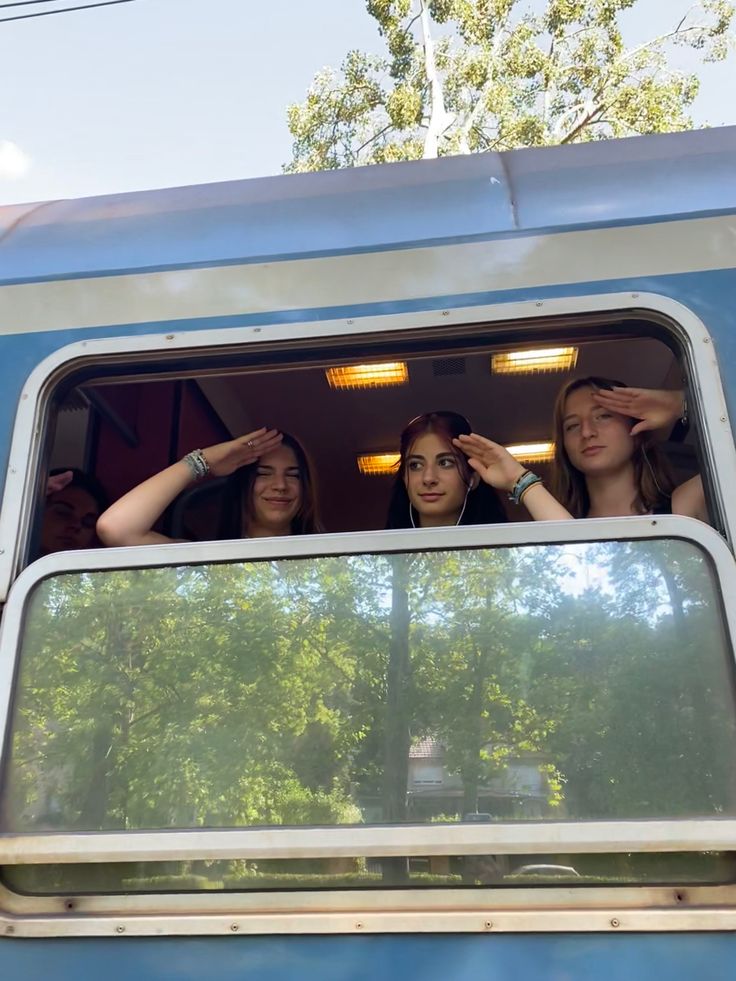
x: 438, y: 871
x: 538, y: 682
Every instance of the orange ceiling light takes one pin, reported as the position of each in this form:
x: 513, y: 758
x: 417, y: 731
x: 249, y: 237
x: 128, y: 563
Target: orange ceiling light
x: 534, y: 360
x: 532, y: 452
x: 376, y: 375
x: 377, y: 464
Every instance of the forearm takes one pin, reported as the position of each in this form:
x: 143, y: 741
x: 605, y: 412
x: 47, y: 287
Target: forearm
x: 542, y: 506
x: 129, y: 520
x: 525, y: 487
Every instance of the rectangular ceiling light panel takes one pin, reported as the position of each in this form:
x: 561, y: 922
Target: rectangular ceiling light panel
x: 377, y: 464
x: 534, y: 360
x: 532, y: 452
x: 368, y: 375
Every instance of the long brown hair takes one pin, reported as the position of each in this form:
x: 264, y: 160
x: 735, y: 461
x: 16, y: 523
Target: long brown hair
x: 652, y: 476
x: 237, y: 509
x: 482, y: 504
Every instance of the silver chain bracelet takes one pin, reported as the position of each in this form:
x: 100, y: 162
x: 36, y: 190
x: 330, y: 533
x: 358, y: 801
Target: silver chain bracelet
x: 197, y: 464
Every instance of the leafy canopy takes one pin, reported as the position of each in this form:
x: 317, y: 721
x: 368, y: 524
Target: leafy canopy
x: 463, y: 76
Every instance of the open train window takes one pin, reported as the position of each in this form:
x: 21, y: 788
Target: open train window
x: 299, y: 714
x: 124, y: 428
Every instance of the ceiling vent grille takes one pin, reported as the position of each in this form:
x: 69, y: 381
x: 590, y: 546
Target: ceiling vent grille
x: 442, y: 367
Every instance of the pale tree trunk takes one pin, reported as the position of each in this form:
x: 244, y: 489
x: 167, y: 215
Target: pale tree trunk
x: 397, y: 740
x: 439, y: 118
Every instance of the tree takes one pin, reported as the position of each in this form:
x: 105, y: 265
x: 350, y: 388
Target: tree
x: 465, y: 76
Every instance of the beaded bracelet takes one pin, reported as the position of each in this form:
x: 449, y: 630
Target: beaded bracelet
x: 522, y: 485
x: 197, y: 464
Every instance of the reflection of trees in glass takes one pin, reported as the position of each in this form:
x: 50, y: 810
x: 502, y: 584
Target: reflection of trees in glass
x: 290, y: 692
x: 471, y: 637
x: 637, y: 670
x: 186, y: 697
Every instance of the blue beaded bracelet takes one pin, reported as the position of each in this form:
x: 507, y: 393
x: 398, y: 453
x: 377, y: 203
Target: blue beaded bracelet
x: 527, y: 480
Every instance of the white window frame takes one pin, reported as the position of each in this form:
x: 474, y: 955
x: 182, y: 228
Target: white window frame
x: 131, y: 915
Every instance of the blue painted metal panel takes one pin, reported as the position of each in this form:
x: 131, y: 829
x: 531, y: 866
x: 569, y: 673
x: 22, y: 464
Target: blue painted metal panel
x: 273, y: 217
x: 369, y: 208
x: 581, y: 957
x: 625, y: 180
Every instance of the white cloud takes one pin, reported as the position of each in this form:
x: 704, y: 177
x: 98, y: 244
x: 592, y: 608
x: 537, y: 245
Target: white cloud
x: 14, y: 163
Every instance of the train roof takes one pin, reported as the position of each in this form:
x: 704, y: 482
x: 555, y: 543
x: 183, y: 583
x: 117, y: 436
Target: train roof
x: 372, y: 208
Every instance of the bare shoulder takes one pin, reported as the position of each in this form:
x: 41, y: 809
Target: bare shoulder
x: 689, y: 500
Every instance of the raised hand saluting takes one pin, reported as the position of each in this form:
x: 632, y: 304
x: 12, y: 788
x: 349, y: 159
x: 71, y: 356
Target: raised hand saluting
x: 496, y: 466
x: 225, y: 458
x: 655, y: 408
x: 492, y: 462
x: 130, y: 520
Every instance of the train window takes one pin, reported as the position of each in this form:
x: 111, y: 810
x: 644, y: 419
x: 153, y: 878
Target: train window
x: 367, y: 680
x: 124, y: 430
x: 489, y: 683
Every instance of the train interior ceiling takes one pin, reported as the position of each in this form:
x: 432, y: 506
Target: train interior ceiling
x: 123, y: 429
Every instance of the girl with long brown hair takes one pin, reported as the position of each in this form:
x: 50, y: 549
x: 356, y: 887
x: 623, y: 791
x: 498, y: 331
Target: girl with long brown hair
x: 606, y: 464
x: 435, y: 485
x: 270, y: 491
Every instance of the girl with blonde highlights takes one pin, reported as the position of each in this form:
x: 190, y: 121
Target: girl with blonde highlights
x: 606, y: 464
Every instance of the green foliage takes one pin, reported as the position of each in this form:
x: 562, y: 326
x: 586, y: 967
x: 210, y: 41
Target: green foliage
x: 471, y: 75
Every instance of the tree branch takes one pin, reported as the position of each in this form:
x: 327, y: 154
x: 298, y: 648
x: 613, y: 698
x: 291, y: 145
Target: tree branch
x: 469, y: 119
x: 588, y: 118
x: 373, y: 138
x: 412, y: 22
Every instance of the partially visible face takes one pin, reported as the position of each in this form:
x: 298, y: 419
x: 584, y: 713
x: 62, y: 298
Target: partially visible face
x: 597, y: 441
x: 69, y: 521
x: 434, y: 482
x: 276, y: 493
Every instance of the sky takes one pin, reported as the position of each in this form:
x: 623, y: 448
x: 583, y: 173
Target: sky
x: 161, y: 93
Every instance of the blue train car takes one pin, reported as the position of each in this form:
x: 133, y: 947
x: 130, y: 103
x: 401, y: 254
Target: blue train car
x: 503, y: 750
